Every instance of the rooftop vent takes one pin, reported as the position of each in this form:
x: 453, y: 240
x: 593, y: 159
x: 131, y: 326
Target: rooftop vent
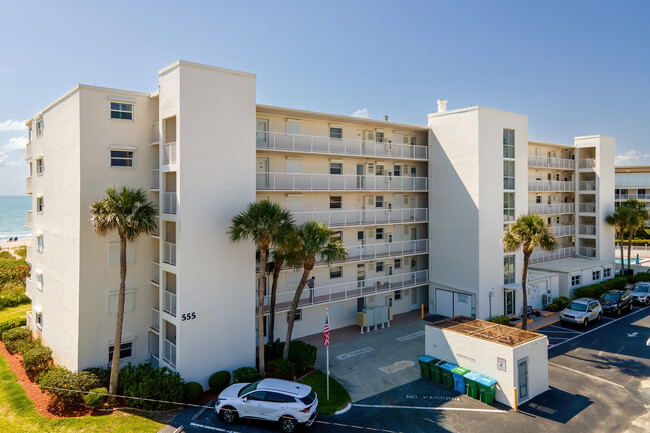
x: 442, y: 105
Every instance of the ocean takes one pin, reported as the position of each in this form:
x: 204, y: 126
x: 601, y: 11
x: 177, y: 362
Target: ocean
x: 13, y: 216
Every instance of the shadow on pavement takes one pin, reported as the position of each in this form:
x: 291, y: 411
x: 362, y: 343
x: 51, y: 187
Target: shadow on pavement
x: 556, y: 405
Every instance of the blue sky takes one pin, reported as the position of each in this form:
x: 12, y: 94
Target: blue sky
x: 574, y: 67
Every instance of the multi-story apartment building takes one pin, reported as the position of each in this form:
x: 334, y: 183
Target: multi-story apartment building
x: 421, y: 210
x: 633, y: 181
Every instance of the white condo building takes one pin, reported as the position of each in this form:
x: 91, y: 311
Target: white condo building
x: 632, y: 181
x: 421, y: 210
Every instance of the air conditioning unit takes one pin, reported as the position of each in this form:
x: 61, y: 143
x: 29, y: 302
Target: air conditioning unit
x: 546, y: 300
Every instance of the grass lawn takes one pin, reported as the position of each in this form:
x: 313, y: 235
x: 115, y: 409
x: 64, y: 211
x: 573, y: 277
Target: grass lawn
x: 18, y: 415
x: 14, y: 312
x: 339, y: 397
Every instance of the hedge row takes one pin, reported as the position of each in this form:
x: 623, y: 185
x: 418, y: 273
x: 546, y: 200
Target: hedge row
x: 501, y: 320
x: 635, y: 242
x: 597, y: 290
x: 11, y: 324
x: 558, y: 304
x: 14, y: 271
x: 13, y: 300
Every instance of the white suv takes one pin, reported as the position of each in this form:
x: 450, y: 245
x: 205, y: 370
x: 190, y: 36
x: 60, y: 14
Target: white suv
x: 641, y: 293
x: 582, y: 311
x: 288, y: 403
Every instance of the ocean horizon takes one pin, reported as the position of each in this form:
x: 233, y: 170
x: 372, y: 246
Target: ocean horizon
x: 13, y: 216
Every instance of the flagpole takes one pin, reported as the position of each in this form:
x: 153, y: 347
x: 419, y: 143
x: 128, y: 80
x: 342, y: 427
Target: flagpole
x: 327, y: 313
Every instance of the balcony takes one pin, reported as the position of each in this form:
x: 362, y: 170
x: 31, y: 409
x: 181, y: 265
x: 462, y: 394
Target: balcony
x: 350, y: 290
x: 28, y: 257
x: 155, y: 274
x: 586, y: 229
x: 587, y: 186
x: 28, y: 185
x: 338, y: 182
x: 551, y: 208
x: 155, y: 134
x: 348, y: 218
x: 169, y: 352
x: 359, y: 253
x: 566, y: 230
x: 155, y: 320
x: 588, y: 163
x: 169, y: 153
x: 587, y: 251
x: 29, y: 218
x: 325, y: 145
x: 544, y: 256
x: 629, y: 196
x: 544, y: 162
x: 29, y: 152
x: 169, y: 303
x: 156, y: 234
x: 587, y: 207
x: 155, y: 179
x: 170, y: 203
x: 169, y: 253
x: 550, y: 185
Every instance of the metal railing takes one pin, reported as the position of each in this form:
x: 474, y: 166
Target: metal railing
x: 169, y: 352
x: 169, y: 153
x: 550, y: 185
x: 155, y: 181
x: 29, y: 218
x: 28, y: 185
x: 588, y: 186
x: 169, y: 302
x: 587, y: 207
x: 588, y: 163
x: 155, y: 319
x: 587, y: 251
x: 358, y: 253
x: 314, y: 144
x: 170, y: 203
x: 544, y: 162
x: 551, y: 208
x: 587, y: 229
x: 344, y: 218
x: 543, y: 256
x: 350, y: 290
x: 343, y: 182
x: 155, y: 134
x: 567, y: 230
x: 169, y: 253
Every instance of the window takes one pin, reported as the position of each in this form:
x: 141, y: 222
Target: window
x: 121, y: 111
x: 379, y: 137
x: 39, y: 128
x: 607, y: 272
x: 380, y: 170
x: 297, y: 317
x: 122, y: 158
x: 336, y: 133
x: 398, y: 295
x: 337, y: 236
x: 336, y: 168
x: 508, y: 269
x: 398, y: 263
x: 29, y: 133
x: 336, y: 272
x: 114, y: 253
x: 575, y: 280
x: 129, y: 301
x: 379, y: 267
x: 126, y: 351
x: 508, y: 143
x: 379, y: 201
x: 379, y: 233
x: 538, y: 199
x: 40, y: 166
x: 335, y: 202
x: 508, y: 175
x: 508, y: 206
x: 595, y: 275
x: 414, y: 140
x: 39, y: 243
x: 397, y: 170
x: 361, y: 304
x: 39, y: 280
x: 39, y: 204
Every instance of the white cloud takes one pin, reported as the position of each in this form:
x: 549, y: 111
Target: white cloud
x: 361, y: 112
x: 12, y: 125
x: 632, y: 157
x: 6, y: 162
x: 15, y: 143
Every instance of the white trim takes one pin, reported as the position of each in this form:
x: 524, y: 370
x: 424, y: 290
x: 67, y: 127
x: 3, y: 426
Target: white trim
x: 127, y: 339
x: 118, y: 147
x: 122, y: 98
x: 37, y: 309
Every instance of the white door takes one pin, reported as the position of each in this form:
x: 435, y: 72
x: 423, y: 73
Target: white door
x: 462, y: 305
x: 262, y: 128
x: 262, y: 175
x: 294, y: 165
x: 397, y: 201
x: 533, y: 296
x: 444, y: 303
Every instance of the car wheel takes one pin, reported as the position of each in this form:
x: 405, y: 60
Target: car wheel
x: 585, y: 323
x: 288, y: 424
x: 228, y: 415
x: 600, y: 316
x: 618, y: 311
x: 630, y: 308
x: 647, y: 300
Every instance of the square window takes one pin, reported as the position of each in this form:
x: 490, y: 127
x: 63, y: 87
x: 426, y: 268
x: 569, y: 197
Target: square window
x: 379, y: 170
x: 379, y: 201
x: 398, y: 263
x: 121, y: 111
x: 595, y: 275
x: 397, y: 170
x: 336, y: 133
x: 336, y: 168
x: 575, y: 280
x: 336, y: 202
x: 297, y: 317
x: 122, y: 158
x: 126, y: 351
x: 538, y: 199
x: 379, y: 267
x: 379, y: 233
x: 414, y: 140
x: 39, y: 128
x: 40, y: 204
x: 39, y: 320
x: 607, y: 272
x: 398, y: 295
x: 336, y: 272
x: 40, y: 166
x: 337, y: 236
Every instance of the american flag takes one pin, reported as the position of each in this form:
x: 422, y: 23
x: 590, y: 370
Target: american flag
x: 326, y: 332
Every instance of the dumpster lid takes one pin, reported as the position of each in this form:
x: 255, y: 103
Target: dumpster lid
x: 489, y: 331
x: 448, y: 366
x: 472, y: 375
x: 486, y: 381
x: 426, y: 358
x: 460, y: 370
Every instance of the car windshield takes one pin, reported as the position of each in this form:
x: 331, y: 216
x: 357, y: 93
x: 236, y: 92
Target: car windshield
x: 248, y: 388
x: 309, y: 398
x: 642, y: 289
x: 576, y: 306
x: 610, y: 297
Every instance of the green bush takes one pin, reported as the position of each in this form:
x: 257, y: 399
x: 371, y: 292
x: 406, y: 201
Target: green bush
x: 639, y: 278
x: 553, y: 308
x: 219, y: 381
x: 13, y: 299
x: 14, y: 271
x: 245, y: 375
x: 597, y: 290
x: 193, y: 391
x: 21, y: 251
x: 561, y: 302
x: 37, y: 358
x: 96, y: 397
x: 281, y: 368
x: 635, y: 242
x: 102, y: 374
x: 302, y: 354
x: 501, y: 320
x: 273, y: 350
x: 11, y: 324
x: 17, y: 339
x: 63, y: 384
x: 145, y: 381
x: 6, y: 255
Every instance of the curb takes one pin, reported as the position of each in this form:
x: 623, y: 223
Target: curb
x: 345, y: 409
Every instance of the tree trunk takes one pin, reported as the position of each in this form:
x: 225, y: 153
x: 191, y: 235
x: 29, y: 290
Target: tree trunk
x: 260, y: 311
x: 294, y: 308
x: 622, y: 253
x: 115, y: 366
x: 629, y: 249
x: 524, y: 294
x: 274, y: 291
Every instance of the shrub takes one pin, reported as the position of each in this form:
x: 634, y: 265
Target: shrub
x: 273, y: 350
x: 281, y: 368
x: 145, y: 381
x: 561, y: 303
x: 17, y: 339
x: 14, y: 299
x: 6, y: 255
x: 638, y: 278
x: 245, y: 375
x: 501, y: 320
x: 96, y: 397
x: 11, y: 324
x: 102, y: 374
x: 302, y: 354
x: 37, y: 358
x: 553, y: 308
x: 21, y: 251
x: 14, y: 271
x: 193, y: 391
x: 219, y: 381
x: 63, y: 384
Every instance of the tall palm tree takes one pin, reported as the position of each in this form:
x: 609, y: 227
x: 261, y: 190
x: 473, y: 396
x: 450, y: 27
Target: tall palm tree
x: 620, y: 219
x: 638, y: 217
x: 285, y: 254
x: 315, y: 240
x: 527, y: 232
x: 265, y: 223
x: 130, y: 213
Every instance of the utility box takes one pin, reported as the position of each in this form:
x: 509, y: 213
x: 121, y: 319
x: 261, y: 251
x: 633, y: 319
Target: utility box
x: 512, y: 357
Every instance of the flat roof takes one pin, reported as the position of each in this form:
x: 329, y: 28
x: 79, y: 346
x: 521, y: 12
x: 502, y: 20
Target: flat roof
x: 632, y: 169
x: 538, y: 275
x: 569, y: 264
x: 501, y: 334
x: 543, y: 143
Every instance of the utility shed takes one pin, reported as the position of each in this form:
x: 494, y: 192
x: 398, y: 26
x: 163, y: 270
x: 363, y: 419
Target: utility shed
x: 512, y: 357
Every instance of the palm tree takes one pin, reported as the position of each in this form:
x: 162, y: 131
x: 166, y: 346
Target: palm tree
x: 265, y: 223
x: 620, y: 219
x: 130, y: 213
x: 638, y: 217
x: 527, y: 232
x: 315, y: 240
x: 285, y: 254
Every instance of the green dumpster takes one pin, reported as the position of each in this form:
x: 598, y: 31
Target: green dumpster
x: 459, y: 381
x: 471, y: 387
x: 425, y: 370
x: 436, y: 374
x: 447, y: 376
x: 487, y: 388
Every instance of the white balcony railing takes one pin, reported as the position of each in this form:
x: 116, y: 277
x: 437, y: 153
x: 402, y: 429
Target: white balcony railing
x: 28, y: 257
x: 587, y: 251
x: 155, y: 179
x: 169, y: 352
x: 550, y: 185
x: 343, y: 218
x: 338, y: 182
x: 155, y: 134
x: 587, y: 207
x: 629, y: 196
x: 155, y: 320
x: 169, y: 302
x: 544, y: 162
x: 587, y: 163
x: 169, y: 153
x: 312, y: 144
x: 170, y: 203
x: 587, y: 229
x: 28, y: 150
x: 588, y: 186
x: 543, y: 256
x: 350, y: 290
x: 567, y: 230
x: 169, y: 253
x: 551, y: 208
x: 28, y: 185
x: 29, y: 218
x: 357, y: 253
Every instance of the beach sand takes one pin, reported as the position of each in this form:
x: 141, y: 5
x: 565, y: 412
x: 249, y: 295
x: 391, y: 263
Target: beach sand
x: 6, y: 245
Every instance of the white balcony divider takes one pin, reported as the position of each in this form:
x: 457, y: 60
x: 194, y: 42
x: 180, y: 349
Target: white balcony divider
x: 170, y: 203
x: 29, y: 218
x: 157, y: 232
x: 380, y: 216
x: 314, y: 144
x: 155, y: 181
x: 587, y: 229
x: 155, y: 273
x: 544, y: 162
x: 550, y: 185
x: 169, y: 253
x: 28, y: 257
x: 169, y: 153
x: 155, y: 319
x: 338, y: 182
x: 588, y: 186
x: 543, y: 256
x: 588, y: 207
x: 28, y: 185
x: 383, y: 250
x: 588, y: 163
x: 551, y: 208
x: 169, y: 304
x: 28, y: 150
x: 169, y: 352
x: 587, y: 251
x: 350, y: 290
x: 155, y: 134
x: 567, y: 230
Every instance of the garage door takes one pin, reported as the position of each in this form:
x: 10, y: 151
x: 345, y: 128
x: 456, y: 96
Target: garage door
x: 452, y: 304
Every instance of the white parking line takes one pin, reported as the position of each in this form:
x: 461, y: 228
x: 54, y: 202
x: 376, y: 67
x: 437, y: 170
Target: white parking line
x: 586, y: 374
x: 458, y: 409
x: 209, y: 427
x: 565, y: 329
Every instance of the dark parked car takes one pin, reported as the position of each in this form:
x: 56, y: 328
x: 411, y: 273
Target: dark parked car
x: 616, y: 301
